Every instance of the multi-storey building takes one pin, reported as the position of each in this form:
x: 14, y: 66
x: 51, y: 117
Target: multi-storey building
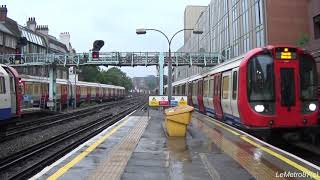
x: 232, y: 27
x: 9, y: 32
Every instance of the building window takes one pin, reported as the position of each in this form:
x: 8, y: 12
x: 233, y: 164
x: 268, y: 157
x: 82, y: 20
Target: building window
x: 258, y: 12
x: 316, y: 24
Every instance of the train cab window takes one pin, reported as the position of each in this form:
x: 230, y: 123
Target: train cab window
x: 2, y: 86
x: 261, y: 78
x: 225, y: 87
x: 308, y: 78
x: 234, y: 85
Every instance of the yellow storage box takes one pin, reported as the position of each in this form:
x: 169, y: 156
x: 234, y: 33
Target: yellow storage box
x: 177, y: 119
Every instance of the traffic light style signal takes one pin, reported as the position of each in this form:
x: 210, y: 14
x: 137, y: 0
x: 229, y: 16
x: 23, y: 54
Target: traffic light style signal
x: 95, y: 54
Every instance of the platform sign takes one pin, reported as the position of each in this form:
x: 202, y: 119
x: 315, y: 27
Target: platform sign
x: 156, y: 101
x: 179, y: 101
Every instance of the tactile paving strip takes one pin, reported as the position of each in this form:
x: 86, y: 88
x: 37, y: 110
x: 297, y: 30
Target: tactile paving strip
x: 114, y: 165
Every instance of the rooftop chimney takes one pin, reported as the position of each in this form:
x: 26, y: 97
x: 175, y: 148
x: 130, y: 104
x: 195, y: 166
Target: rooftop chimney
x: 44, y: 29
x: 3, y: 13
x: 65, y: 39
x: 31, y: 23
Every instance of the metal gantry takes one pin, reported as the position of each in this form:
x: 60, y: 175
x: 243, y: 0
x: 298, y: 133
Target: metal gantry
x: 113, y: 59
x: 159, y: 59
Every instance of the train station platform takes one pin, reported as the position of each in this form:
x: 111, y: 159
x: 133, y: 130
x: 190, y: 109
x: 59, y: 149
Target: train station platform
x: 138, y: 148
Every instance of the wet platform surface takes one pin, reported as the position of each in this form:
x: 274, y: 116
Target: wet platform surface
x: 138, y: 148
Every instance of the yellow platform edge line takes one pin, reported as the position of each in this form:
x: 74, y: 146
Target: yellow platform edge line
x: 305, y: 170
x: 310, y: 173
x: 78, y: 158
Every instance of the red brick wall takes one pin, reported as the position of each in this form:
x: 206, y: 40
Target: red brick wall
x: 287, y: 21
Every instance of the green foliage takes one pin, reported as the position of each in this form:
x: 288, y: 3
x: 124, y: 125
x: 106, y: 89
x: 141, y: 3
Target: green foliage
x: 116, y: 77
x: 89, y: 73
x: 112, y: 76
x: 303, y: 40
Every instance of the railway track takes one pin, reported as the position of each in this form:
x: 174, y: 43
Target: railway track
x: 24, y: 127
x: 27, y: 162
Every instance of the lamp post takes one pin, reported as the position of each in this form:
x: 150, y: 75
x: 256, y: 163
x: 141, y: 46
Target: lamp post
x: 144, y: 31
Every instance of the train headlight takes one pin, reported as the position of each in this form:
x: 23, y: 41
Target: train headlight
x: 312, y: 107
x: 259, y: 108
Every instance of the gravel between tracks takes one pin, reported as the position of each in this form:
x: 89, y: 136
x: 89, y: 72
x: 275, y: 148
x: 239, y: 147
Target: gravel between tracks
x: 23, y: 142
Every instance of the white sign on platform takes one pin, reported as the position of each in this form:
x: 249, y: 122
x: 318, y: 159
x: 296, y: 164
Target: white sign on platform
x: 158, y: 101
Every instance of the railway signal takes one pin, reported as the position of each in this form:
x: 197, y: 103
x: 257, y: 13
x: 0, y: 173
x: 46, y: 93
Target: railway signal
x: 97, y: 45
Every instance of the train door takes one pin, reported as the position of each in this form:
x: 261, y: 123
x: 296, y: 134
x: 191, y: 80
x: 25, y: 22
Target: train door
x: 189, y: 93
x: 226, y: 95
x: 216, y: 96
x: 206, y: 92
x: 210, y: 108
x: 200, y: 96
x: 15, y: 92
x: 194, y: 94
x: 287, y: 85
x: 5, y: 98
x: 12, y: 94
x: 234, y: 94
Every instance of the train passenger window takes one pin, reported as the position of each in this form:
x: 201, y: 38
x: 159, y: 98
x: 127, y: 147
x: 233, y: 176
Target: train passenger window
x: 12, y: 85
x: 205, y: 88
x: 215, y: 86
x: 234, y: 85
x: 211, y: 88
x: 225, y: 86
x: 2, y: 86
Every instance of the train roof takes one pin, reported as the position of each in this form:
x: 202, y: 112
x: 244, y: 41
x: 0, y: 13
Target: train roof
x: 232, y: 63
x: 39, y: 79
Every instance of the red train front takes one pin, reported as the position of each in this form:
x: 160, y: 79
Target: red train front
x: 278, y: 88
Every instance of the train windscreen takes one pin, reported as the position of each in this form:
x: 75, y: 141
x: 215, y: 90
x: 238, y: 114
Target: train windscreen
x: 261, y: 78
x: 308, y: 78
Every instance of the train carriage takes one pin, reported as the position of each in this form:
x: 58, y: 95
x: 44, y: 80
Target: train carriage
x: 271, y: 87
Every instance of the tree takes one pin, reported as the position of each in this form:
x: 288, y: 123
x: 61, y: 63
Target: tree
x: 303, y: 40
x: 115, y: 77
x: 89, y: 73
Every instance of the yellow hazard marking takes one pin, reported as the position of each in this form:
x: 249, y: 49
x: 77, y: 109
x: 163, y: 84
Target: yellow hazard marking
x: 154, y: 102
x: 279, y: 156
x: 269, y: 151
x: 182, y: 102
x: 78, y: 158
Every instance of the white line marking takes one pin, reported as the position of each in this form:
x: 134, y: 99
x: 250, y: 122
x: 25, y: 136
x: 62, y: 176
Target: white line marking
x: 90, y: 141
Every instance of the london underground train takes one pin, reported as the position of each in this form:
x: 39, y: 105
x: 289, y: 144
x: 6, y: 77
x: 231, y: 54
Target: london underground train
x: 19, y: 92
x: 267, y: 88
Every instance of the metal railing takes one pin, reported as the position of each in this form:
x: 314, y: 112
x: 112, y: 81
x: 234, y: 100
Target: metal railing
x: 113, y: 59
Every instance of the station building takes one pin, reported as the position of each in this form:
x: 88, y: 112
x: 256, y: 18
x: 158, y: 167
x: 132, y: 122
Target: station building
x: 233, y: 27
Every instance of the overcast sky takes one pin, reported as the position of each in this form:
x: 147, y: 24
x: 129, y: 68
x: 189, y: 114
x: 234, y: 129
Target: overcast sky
x: 113, y: 21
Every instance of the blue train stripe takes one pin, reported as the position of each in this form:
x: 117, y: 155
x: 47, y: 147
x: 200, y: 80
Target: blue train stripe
x: 5, y: 113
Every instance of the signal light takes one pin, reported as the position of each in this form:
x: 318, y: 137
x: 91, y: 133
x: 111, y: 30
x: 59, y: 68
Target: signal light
x: 95, y: 55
